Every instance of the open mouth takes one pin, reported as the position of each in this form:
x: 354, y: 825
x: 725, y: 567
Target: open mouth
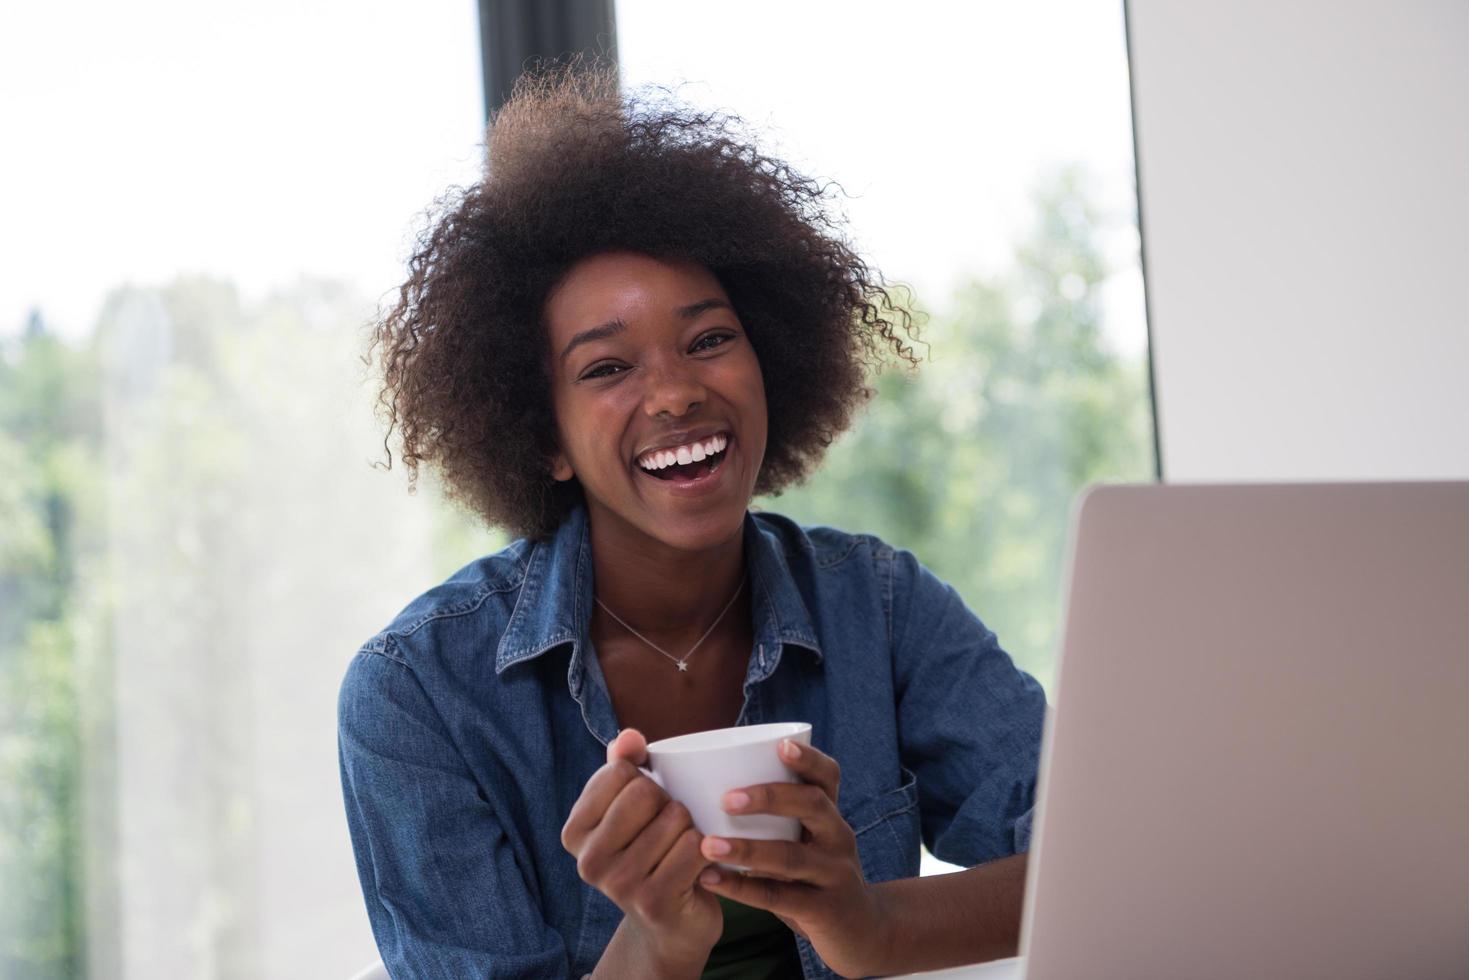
x: 680, y: 465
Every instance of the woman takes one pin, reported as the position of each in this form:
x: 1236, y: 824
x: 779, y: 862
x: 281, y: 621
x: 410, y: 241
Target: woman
x: 631, y: 326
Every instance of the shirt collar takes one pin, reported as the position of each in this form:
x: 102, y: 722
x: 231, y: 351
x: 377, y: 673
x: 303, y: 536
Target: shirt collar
x: 555, y: 602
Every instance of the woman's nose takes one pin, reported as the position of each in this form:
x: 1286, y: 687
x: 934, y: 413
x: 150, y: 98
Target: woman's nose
x: 673, y: 392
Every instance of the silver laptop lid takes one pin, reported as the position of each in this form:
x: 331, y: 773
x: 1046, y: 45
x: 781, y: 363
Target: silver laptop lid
x: 1258, y: 760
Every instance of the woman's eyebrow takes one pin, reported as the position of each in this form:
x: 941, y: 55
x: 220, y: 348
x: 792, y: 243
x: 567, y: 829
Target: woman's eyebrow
x: 694, y: 309
x: 608, y: 329
x: 613, y: 327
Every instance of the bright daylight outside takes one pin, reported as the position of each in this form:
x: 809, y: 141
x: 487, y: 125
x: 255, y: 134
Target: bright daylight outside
x: 205, y: 206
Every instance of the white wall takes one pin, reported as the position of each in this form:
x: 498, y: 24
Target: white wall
x: 1305, y: 193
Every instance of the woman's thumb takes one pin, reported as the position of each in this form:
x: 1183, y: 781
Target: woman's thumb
x: 630, y: 745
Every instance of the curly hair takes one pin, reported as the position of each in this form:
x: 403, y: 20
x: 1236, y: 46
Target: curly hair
x: 574, y: 168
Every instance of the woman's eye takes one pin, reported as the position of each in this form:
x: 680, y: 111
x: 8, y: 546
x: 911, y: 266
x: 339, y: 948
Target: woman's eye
x: 711, y: 341
x: 604, y: 371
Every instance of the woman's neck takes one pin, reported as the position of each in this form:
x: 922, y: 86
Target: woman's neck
x: 662, y: 590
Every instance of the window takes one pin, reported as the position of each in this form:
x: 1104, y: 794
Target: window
x: 203, y: 205
x: 984, y: 153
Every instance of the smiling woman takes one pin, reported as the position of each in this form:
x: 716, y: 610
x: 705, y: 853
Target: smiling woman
x: 630, y: 327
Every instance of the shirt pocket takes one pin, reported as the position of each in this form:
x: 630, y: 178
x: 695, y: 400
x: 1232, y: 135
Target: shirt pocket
x: 886, y: 828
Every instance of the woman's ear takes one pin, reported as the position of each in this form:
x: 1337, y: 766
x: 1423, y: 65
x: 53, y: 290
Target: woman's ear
x: 560, y: 468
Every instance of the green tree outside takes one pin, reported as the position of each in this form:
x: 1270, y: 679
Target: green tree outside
x: 972, y: 462
x: 49, y: 446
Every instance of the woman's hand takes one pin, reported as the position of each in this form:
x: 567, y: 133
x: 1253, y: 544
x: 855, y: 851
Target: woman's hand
x: 640, y: 848
x: 814, y: 885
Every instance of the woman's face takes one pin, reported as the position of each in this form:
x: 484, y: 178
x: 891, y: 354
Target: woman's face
x: 649, y: 363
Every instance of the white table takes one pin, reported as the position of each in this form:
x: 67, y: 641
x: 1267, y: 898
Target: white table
x: 1012, y: 968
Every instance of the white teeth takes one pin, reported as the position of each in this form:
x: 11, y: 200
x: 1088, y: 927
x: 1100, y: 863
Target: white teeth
x: 692, y: 453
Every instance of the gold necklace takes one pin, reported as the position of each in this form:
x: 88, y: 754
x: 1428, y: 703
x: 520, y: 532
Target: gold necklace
x: 683, y: 662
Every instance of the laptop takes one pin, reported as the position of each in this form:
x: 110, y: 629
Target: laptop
x: 1257, y: 762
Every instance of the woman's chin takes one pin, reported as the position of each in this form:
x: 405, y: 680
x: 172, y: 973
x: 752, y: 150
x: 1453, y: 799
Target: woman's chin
x: 696, y: 532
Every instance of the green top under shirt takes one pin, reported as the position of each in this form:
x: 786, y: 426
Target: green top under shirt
x: 755, y: 945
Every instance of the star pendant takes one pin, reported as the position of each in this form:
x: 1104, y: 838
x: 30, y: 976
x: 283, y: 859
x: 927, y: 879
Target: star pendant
x: 683, y: 666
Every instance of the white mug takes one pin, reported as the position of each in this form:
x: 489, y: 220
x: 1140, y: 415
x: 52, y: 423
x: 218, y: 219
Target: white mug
x: 699, y: 768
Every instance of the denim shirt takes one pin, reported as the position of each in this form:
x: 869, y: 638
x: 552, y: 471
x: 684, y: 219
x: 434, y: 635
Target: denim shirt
x: 469, y: 726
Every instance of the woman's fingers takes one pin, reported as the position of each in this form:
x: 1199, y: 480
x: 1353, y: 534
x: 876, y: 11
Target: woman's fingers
x: 632, y: 810
x: 648, y: 849
x: 641, y: 850
x: 623, y: 754
x: 782, y: 860
x: 813, y: 766
x: 784, y: 898
x: 632, y: 841
x: 680, y: 867
x: 596, y: 796
x: 807, y: 803
x: 629, y: 745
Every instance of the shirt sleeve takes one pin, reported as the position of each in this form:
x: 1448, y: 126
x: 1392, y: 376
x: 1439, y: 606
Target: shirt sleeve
x: 445, y: 893
x: 969, y: 722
